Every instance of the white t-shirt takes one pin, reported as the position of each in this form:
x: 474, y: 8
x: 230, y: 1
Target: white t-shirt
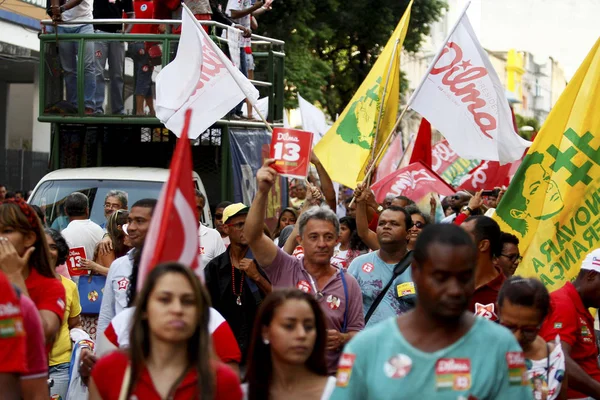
x: 84, y: 11
x: 240, y: 5
x: 211, y: 245
x: 327, y: 391
x: 114, y: 299
x: 83, y: 236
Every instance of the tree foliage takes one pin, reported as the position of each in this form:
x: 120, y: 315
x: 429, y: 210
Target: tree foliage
x: 332, y: 45
x: 527, y: 121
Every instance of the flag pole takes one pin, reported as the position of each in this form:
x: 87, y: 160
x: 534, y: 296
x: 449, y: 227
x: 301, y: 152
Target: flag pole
x: 230, y: 67
x: 410, y: 100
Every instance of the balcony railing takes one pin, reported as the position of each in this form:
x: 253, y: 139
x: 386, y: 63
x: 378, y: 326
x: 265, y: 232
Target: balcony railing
x: 268, y: 55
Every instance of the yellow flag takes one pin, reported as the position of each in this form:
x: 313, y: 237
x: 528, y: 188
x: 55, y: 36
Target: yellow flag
x: 553, y: 203
x: 345, y: 149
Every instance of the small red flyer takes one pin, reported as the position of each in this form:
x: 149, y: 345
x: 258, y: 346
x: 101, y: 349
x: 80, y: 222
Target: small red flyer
x: 291, y: 150
x: 73, y: 261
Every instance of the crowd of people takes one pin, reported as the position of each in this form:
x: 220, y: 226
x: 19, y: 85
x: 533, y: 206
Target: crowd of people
x: 104, y: 59
x: 341, y: 299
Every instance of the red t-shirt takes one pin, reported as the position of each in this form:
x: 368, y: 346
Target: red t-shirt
x: 108, y: 377
x: 572, y: 321
x: 483, y: 302
x: 47, y: 294
x: 12, y: 333
x: 144, y: 9
x: 37, y: 358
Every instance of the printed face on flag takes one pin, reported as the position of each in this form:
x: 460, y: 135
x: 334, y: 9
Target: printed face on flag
x: 291, y: 149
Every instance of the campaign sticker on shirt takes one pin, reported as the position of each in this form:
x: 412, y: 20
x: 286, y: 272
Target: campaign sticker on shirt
x: 368, y: 268
x: 397, y: 366
x: 558, y: 325
x: 345, y: 369
x: 333, y: 302
x: 74, y: 261
x: 122, y: 283
x: 11, y: 322
x: 144, y: 7
x: 517, y: 373
x: 405, y: 289
x: 202, y: 251
x: 486, y: 311
x: 304, y: 286
x: 453, y: 374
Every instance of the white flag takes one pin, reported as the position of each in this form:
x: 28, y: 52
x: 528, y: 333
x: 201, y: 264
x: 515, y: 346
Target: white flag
x: 464, y: 99
x: 313, y: 120
x: 200, y: 78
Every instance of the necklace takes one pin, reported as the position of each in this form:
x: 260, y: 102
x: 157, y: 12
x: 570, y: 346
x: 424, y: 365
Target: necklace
x: 238, y: 301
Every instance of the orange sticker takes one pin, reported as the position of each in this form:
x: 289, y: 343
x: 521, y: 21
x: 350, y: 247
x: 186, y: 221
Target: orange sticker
x: 345, y: 369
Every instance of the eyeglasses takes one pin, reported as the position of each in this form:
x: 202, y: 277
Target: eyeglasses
x: 112, y: 206
x: 525, y: 330
x: 239, y: 226
x: 513, y: 257
x: 219, y: 216
x: 455, y: 197
x: 418, y: 224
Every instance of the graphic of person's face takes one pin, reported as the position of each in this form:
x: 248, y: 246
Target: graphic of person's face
x: 172, y: 312
x: 287, y: 218
x: 2, y: 192
x: 219, y: 221
x: 538, y: 188
x: 319, y: 239
x: 292, y: 332
x: 111, y: 205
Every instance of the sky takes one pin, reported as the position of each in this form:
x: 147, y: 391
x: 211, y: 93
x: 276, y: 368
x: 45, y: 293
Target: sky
x: 565, y: 30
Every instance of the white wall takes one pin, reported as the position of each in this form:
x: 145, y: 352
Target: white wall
x: 40, y: 132
x: 19, y: 119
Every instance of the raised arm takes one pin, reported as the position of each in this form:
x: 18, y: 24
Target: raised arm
x: 326, y: 183
x: 362, y: 223
x: 236, y: 14
x: 263, y: 248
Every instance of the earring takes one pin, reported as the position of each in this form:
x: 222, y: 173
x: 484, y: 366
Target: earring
x: 266, y: 341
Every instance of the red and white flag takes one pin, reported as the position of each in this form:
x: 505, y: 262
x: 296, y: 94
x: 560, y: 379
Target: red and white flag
x: 415, y: 182
x: 487, y: 175
x: 173, y: 233
x: 463, y: 98
x: 390, y: 160
x: 201, y: 79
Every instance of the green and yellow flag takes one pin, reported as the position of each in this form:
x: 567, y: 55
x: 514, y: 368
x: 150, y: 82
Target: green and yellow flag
x: 553, y: 203
x: 346, y: 148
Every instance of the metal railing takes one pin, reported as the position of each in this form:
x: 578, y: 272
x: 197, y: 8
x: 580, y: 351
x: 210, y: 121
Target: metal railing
x: 268, y: 53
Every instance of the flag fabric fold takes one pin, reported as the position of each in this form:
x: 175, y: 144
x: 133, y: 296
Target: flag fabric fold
x: 200, y: 78
x: 415, y: 181
x: 486, y: 176
x: 463, y: 98
x: 173, y: 232
x: 422, y: 149
x: 553, y: 202
x: 353, y: 134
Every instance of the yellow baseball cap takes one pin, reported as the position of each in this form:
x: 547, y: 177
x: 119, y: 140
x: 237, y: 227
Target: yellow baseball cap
x: 234, y: 210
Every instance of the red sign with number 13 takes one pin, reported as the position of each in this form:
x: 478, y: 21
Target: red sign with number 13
x: 291, y: 150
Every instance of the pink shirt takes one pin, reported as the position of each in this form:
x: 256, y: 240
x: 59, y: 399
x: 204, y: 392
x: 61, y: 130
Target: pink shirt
x: 287, y: 271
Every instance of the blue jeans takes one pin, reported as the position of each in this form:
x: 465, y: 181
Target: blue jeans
x: 114, y: 52
x: 68, y: 53
x: 60, y: 374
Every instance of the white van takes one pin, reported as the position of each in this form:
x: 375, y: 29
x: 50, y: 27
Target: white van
x: 139, y: 183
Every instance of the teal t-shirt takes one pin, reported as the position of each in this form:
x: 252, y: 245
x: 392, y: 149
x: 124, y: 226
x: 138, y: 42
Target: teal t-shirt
x: 486, y: 363
x: 372, y: 274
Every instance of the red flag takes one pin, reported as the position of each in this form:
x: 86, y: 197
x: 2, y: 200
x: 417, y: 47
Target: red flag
x: 391, y: 158
x: 422, y: 149
x: 173, y: 233
x: 415, y: 181
x: 487, y: 175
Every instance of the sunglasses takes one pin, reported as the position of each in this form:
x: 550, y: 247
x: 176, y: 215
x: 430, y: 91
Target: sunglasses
x: 419, y: 225
x: 219, y: 216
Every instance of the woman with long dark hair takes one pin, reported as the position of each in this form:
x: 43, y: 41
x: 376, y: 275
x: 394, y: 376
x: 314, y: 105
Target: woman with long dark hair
x: 523, y: 304
x: 287, y: 217
x: 350, y: 245
x: 170, y: 354
x: 25, y: 260
x: 287, y: 353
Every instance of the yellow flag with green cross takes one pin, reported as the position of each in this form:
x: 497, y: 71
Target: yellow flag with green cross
x: 347, y: 147
x: 553, y: 202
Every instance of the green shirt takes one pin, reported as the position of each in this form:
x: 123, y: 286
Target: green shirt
x: 486, y: 363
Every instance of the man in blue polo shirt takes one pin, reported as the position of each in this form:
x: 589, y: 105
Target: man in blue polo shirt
x: 438, y: 350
